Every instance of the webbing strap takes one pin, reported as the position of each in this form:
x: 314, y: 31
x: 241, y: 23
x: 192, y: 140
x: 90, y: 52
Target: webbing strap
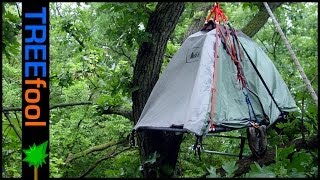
x: 231, y: 48
x: 233, y: 54
x: 257, y: 71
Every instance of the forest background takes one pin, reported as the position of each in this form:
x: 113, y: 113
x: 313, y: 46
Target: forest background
x: 96, y: 62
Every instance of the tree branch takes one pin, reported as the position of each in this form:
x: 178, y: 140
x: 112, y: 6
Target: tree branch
x: 122, y: 53
x: 6, y: 114
x: 254, y: 25
x: 70, y: 104
x: 17, y: 6
x: 7, y: 109
x: 106, y: 157
x: 260, y: 19
x: 125, y: 112
x: 100, y: 147
x: 118, y: 110
x: 19, y: 124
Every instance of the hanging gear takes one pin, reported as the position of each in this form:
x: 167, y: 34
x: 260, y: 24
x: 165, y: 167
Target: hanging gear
x: 197, y: 147
x: 232, y: 46
x: 258, y: 73
x: 257, y: 140
x: 219, y: 15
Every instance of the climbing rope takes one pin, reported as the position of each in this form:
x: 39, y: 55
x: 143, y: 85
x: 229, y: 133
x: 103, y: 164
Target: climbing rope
x: 213, y: 89
x: 232, y: 46
x: 219, y: 15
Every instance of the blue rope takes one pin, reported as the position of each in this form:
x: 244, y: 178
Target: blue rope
x: 247, y: 101
x: 250, y: 105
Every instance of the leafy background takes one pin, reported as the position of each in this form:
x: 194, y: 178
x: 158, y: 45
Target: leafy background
x: 93, y: 47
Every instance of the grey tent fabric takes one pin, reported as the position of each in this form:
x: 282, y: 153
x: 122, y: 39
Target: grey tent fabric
x: 182, y: 95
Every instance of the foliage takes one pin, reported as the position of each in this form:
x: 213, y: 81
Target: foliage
x: 93, y: 48
x: 300, y: 164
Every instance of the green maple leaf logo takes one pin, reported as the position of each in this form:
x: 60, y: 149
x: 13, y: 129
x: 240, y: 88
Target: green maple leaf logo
x: 36, y: 155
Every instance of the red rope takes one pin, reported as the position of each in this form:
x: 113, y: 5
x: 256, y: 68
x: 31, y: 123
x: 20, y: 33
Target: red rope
x: 213, y: 89
x: 219, y: 14
x: 236, y: 61
x: 230, y: 47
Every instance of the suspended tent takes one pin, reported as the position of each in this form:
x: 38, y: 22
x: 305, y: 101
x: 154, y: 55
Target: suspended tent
x: 219, y: 80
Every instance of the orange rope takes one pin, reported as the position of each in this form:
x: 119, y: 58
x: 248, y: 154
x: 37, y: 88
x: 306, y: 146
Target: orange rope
x: 213, y: 89
x: 219, y: 14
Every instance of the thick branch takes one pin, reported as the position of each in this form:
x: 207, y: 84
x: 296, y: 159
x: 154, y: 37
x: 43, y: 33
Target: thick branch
x: 108, y: 156
x: 70, y: 104
x: 125, y: 112
x: 259, y: 20
x: 122, y: 111
x: 197, y: 23
x: 7, y: 109
x: 100, y: 147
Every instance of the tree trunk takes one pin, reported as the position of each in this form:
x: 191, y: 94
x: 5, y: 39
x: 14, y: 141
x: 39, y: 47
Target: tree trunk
x: 146, y: 73
x: 259, y: 20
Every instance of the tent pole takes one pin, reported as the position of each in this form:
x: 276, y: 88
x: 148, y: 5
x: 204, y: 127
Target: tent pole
x: 295, y: 59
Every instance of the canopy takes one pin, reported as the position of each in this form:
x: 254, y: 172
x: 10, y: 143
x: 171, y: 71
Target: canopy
x: 182, y: 95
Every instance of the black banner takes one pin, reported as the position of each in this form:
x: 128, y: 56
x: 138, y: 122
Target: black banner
x: 35, y: 90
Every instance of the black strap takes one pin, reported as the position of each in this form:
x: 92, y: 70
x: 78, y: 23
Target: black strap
x: 237, y: 48
x: 263, y: 82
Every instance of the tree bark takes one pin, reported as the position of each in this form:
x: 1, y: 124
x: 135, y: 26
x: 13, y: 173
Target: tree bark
x: 197, y: 23
x: 259, y: 20
x: 146, y: 73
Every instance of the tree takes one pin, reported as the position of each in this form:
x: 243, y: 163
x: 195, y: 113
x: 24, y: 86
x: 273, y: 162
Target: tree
x: 105, y: 60
x: 146, y: 73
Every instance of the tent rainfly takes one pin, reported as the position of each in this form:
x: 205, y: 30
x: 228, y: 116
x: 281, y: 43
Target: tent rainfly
x: 195, y: 81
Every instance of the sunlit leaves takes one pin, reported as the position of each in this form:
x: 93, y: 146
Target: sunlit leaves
x: 11, y: 28
x: 260, y: 172
x: 230, y: 167
x: 93, y: 48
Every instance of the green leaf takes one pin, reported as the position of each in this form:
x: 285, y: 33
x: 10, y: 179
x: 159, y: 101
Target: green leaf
x: 300, y: 161
x: 256, y: 171
x: 230, y: 167
x: 284, y: 152
x: 212, y: 172
x: 295, y: 174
